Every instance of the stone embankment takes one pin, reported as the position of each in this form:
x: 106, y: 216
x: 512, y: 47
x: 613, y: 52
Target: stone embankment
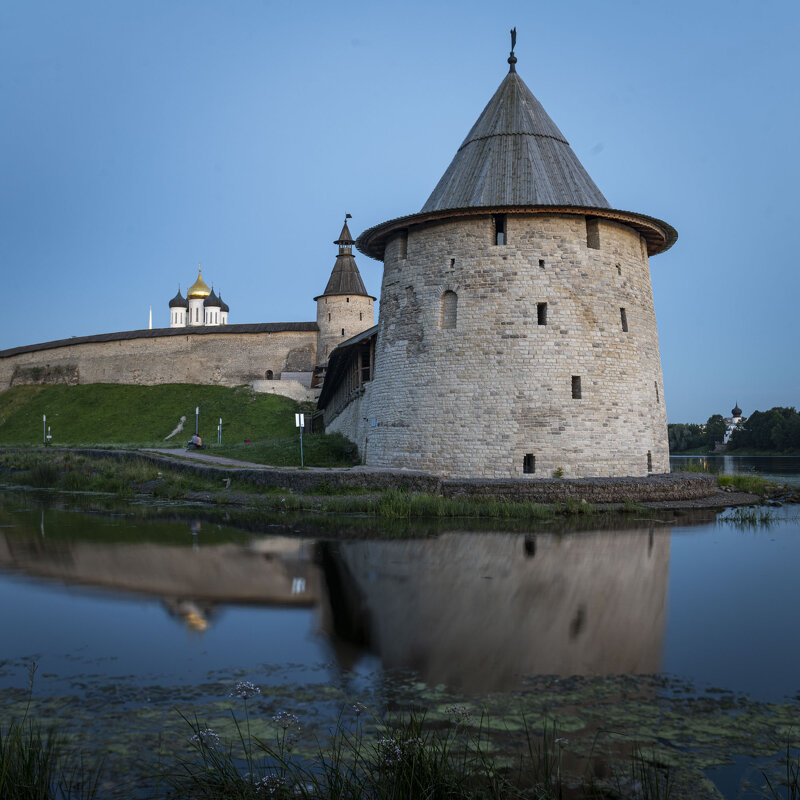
x: 670, y: 487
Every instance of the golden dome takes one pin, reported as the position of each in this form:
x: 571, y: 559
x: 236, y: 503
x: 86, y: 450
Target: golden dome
x: 198, y: 289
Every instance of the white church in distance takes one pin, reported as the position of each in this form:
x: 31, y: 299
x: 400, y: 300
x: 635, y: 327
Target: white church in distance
x: 201, y: 306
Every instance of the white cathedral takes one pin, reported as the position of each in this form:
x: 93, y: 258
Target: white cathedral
x: 201, y: 306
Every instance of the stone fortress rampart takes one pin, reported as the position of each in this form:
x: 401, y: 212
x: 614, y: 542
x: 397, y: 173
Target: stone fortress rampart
x: 229, y: 355
x: 272, y: 357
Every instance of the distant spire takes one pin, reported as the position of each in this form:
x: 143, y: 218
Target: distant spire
x: 345, y: 240
x: 512, y: 59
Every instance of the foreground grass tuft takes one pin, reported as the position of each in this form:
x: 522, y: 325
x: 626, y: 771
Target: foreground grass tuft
x: 35, y: 764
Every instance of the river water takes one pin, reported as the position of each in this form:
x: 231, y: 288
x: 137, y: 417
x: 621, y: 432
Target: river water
x: 780, y: 469
x: 676, y: 633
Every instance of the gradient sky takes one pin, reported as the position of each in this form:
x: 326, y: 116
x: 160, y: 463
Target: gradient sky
x: 140, y: 138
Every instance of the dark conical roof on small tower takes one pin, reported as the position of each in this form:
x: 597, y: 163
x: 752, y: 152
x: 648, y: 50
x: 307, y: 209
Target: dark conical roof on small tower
x: 345, y: 277
x: 515, y: 155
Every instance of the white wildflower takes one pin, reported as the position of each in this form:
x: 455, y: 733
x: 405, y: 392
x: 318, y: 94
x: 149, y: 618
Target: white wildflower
x: 245, y: 690
x: 206, y: 738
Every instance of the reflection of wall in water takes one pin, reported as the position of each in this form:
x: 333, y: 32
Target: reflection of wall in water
x: 477, y: 610
x: 191, y: 580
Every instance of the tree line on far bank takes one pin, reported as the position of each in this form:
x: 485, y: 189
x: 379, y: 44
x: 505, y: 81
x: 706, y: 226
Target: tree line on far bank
x: 776, y: 431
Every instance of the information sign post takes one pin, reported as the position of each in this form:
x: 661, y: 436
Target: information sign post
x: 299, y: 422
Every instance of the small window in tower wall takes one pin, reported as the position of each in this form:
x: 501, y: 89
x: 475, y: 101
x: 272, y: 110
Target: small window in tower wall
x: 348, y: 299
x: 592, y: 233
x: 402, y: 250
x: 658, y: 399
x: 500, y: 229
x: 329, y: 317
x: 649, y: 461
x: 448, y: 310
x: 361, y: 315
x: 342, y: 331
x: 619, y: 270
x: 452, y: 262
x: 529, y: 464
x: 541, y: 263
x: 576, y: 387
x: 541, y: 313
x: 623, y: 318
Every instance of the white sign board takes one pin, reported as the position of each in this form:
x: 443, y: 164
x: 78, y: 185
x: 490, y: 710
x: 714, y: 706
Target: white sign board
x: 299, y: 420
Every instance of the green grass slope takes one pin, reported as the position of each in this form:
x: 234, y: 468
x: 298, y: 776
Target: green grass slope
x: 119, y: 414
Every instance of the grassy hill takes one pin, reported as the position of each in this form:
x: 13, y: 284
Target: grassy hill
x: 116, y: 414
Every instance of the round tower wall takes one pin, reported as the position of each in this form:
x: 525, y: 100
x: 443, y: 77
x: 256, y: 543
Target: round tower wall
x: 473, y: 372
x: 340, y: 317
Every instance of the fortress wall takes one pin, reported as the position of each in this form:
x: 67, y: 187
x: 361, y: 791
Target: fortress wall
x: 349, y: 313
x: 474, y: 399
x: 226, y: 359
x: 351, y: 420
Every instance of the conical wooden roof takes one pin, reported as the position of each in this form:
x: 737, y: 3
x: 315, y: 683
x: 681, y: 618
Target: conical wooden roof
x: 515, y: 155
x: 345, y: 277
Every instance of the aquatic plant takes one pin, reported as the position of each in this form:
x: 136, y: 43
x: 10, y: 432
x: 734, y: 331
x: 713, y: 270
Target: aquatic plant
x: 36, y: 765
x: 791, y: 781
x: 749, y: 517
x: 402, y: 757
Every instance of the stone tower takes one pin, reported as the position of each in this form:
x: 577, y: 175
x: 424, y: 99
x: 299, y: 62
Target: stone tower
x: 344, y: 308
x: 517, y: 335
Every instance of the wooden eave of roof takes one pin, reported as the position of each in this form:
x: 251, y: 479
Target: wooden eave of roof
x: 337, y: 363
x: 155, y: 333
x: 659, y: 235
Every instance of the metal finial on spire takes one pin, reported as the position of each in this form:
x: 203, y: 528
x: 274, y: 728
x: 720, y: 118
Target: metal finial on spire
x: 348, y: 216
x: 512, y: 59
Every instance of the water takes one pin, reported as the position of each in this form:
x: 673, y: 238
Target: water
x: 666, y: 631
x: 779, y: 469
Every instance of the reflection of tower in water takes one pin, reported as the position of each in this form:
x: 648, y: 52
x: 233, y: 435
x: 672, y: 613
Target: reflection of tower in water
x: 479, y: 611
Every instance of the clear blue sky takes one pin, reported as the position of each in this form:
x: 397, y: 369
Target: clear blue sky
x: 139, y: 138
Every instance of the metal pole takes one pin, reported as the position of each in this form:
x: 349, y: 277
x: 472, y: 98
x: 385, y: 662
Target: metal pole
x: 197, y: 420
x: 220, y: 431
x: 301, y: 446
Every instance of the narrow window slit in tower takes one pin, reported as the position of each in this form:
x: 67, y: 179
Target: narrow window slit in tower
x: 541, y: 313
x: 448, y: 310
x: 403, y: 249
x: 576, y: 387
x: 623, y: 318
x: 649, y: 461
x: 500, y: 229
x: 361, y: 315
x: 541, y: 263
x: 342, y: 331
x: 619, y: 270
x: 452, y: 262
x: 329, y: 317
x: 592, y: 233
x: 348, y: 299
x: 529, y: 464
x: 658, y: 399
